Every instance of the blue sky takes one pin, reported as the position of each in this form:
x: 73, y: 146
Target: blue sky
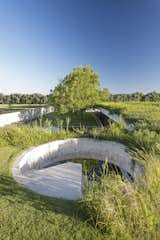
x: 43, y: 40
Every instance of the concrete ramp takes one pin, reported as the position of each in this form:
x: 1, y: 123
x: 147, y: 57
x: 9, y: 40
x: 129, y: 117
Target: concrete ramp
x: 61, y: 181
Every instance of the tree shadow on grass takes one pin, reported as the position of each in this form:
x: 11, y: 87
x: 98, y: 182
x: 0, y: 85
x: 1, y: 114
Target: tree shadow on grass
x: 10, y: 188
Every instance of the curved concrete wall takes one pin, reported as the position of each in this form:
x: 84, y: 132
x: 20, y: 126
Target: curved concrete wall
x: 27, y: 115
x: 84, y: 148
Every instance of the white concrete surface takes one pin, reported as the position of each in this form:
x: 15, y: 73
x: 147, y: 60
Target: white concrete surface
x: 26, y: 115
x: 61, y: 181
x: 29, y: 169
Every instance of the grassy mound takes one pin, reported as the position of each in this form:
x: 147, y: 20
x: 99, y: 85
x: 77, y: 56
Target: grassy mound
x: 114, y: 209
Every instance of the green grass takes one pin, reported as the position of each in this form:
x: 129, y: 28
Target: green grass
x: 24, y: 136
x: 141, y: 114
x: 27, y: 215
x: 136, y: 110
x: 113, y: 210
x: 122, y: 210
x: 77, y: 119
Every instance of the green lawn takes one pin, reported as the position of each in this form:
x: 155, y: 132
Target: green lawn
x: 27, y: 215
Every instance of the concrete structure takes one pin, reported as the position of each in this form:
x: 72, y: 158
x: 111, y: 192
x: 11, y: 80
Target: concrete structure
x: 26, y: 115
x: 62, y: 181
x: 115, y: 118
x: 30, y: 169
x: 112, y: 116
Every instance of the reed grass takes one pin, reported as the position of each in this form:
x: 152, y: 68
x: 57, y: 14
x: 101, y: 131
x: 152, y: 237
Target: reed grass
x: 121, y: 210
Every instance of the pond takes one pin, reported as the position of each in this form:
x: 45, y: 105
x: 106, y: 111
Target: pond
x: 52, y: 128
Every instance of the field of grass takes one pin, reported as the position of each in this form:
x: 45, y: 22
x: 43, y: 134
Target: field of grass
x: 7, y: 108
x: 141, y: 114
x: 113, y: 209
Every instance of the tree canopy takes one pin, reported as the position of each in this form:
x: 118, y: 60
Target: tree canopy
x: 17, y: 98
x: 137, y: 96
x: 78, y: 90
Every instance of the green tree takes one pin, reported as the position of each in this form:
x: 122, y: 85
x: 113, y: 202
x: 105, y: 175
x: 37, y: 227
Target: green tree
x: 104, y: 94
x: 78, y: 90
x: 1, y: 98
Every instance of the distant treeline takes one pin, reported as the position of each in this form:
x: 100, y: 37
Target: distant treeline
x: 137, y: 96
x: 38, y: 98
x: 17, y: 98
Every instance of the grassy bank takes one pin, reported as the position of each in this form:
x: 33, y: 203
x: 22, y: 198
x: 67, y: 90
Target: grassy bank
x: 27, y: 215
x: 114, y: 209
x: 141, y: 114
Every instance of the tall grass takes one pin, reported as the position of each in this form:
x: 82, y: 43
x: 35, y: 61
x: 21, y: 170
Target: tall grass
x: 144, y: 139
x: 121, y: 210
x: 25, y: 136
x: 142, y: 114
x: 114, y: 207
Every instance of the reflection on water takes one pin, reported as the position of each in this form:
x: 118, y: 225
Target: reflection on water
x: 52, y: 129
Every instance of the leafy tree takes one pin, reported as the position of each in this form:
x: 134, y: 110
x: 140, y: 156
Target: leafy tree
x: 152, y: 96
x: 104, y: 94
x: 79, y: 89
x: 1, y: 98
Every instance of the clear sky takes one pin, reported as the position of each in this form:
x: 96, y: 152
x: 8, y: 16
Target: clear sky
x: 43, y: 40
